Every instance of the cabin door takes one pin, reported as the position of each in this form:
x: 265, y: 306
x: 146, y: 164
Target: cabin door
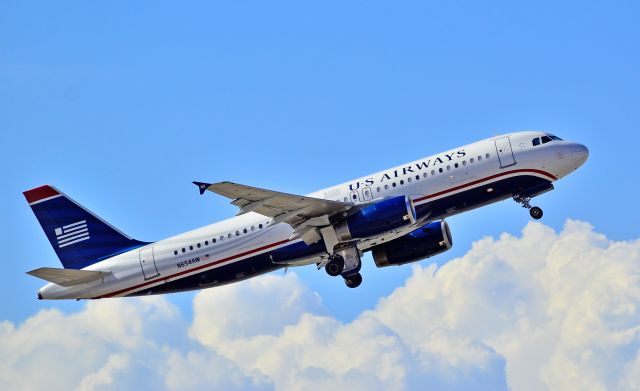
x: 148, y: 264
x: 505, y: 154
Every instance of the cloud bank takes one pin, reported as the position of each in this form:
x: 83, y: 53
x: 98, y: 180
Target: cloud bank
x: 544, y: 310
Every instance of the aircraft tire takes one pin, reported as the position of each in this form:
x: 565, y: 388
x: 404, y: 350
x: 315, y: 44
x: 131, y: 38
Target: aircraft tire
x: 535, y: 212
x: 353, y: 281
x: 335, y: 266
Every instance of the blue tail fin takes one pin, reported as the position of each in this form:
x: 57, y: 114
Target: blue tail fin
x: 79, y: 237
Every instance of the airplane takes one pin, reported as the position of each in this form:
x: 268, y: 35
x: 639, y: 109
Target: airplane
x: 398, y: 214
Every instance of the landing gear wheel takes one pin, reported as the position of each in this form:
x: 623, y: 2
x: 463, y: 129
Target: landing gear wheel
x: 335, y: 266
x: 353, y: 281
x: 535, y: 212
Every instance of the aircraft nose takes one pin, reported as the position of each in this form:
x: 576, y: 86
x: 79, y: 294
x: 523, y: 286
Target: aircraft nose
x: 580, y: 154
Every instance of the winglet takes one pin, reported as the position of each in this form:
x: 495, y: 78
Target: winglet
x: 202, y: 186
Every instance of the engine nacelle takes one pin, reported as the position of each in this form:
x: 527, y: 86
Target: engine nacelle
x: 377, y: 218
x: 426, y: 241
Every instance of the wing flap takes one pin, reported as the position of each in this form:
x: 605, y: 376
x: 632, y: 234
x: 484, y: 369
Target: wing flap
x: 67, y: 277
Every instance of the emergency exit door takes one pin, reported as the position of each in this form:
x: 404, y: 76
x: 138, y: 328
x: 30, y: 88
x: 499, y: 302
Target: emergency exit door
x: 505, y: 154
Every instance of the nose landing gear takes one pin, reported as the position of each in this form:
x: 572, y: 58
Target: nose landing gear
x: 534, y: 211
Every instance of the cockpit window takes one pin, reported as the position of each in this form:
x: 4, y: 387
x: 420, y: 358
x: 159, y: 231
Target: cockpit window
x: 546, y: 139
x: 555, y: 137
x: 536, y: 141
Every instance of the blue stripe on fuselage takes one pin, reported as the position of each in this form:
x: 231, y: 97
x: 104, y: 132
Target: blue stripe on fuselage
x: 262, y: 263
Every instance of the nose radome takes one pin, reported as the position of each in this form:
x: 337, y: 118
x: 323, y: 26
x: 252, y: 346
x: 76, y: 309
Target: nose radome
x: 580, y: 154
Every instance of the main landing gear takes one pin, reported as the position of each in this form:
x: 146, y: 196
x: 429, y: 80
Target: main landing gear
x: 346, y: 262
x: 335, y: 265
x: 534, y: 211
x: 354, y: 280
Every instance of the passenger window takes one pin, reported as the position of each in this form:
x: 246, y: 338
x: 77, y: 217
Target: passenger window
x: 386, y: 187
x: 378, y: 189
x: 464, y: 162
x: 433, y: 172
x: 244, y: 230
x: 401, y: 182
x: 487, y: 156
x: 237, y: 233
x: 440, y: 170
x: 409, y: 180
x: 191, y: 248
x: 448, y: 167
x: 545, y: 139
x: 417, y: 177
x: 393, y: 184
x: 221, y: 238
x: 206, y: 242
x: 456, y: 165
x: 183, y: 250
x: 229, y: 235
x: 260, y: 226
x: 175, y: 252
x: 355, y: 197
x: 198, y: 245
x: 213, y: 240
x: 479, y: 158
x: 536, y: 141
x: 424, y: 175
x: 253, y: 228
x: 471, y: 161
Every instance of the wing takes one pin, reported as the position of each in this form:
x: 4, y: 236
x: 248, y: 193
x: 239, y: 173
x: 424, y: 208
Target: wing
x: 283, y: 207
x: 303, y: 214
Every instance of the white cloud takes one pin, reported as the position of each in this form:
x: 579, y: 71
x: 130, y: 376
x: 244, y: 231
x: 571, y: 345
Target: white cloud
x: 104, y: 376
x: 544, y: 310
x: 110, y: 344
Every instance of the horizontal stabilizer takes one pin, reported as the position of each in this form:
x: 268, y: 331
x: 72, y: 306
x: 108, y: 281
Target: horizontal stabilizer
x: 67, y: 277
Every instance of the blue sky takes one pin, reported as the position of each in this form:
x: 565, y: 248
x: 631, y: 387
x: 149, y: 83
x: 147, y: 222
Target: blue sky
x: 121, y: 105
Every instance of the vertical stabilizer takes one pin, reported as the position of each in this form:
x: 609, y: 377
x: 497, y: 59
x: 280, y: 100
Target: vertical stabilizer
x: 79, y: 237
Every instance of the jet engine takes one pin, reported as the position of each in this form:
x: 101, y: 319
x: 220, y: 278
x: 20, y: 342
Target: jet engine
x: 426, y: 241
x: 377, y: 218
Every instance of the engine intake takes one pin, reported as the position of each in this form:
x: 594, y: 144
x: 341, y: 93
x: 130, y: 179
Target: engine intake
x: 426, y: 241
x: 377, y: 218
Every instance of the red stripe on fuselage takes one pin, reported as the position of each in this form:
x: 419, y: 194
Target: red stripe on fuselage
x: 531, y: 170
x: 136, y: 287
x: 40, y: 193
x: 194, y: 269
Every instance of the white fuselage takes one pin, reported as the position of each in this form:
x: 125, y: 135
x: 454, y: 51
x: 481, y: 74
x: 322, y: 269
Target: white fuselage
x: 471, y: 169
